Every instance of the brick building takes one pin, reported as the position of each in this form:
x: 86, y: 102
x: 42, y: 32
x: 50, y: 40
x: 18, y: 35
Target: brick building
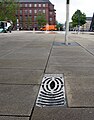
x: 29, y: 9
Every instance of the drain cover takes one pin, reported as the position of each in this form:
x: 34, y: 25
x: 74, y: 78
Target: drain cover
x: 52, y: 92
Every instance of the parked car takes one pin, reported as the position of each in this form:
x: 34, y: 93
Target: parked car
x: 5, y: 26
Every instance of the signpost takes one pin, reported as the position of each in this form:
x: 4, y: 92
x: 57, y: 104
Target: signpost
x: 67, y: 22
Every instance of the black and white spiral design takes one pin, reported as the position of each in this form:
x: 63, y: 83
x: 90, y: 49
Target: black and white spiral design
x: 52, y: 91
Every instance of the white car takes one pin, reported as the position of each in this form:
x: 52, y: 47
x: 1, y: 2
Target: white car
x: 5, y: 26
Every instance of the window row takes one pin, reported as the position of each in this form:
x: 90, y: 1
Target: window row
x: 28, y: 18
x: 32, y: 5
x: 30, y: 11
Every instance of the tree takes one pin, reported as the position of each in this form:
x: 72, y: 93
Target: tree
x: 41, y: 19
x: 59, y: 26
x: 8, y: 10
x: 78, y: 18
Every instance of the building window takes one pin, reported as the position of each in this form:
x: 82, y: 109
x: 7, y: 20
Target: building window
x: 51, y: 19
x: 39, y: 11
x: 50, y: 13
x: 35, y: 5
x: 20, y: 12
x: 43, y: 11
x: 44, y: 5
x: 35, y: 18
x: 30, y: 11
x: 30, y: 17
x: 26, y: 5
x: 20, y: 18
x: 26, y: 11
x: 26, y: 18
x: 39, y: 5
x: 35, y: 11
x: 21, y: 5
x: 30, y: 5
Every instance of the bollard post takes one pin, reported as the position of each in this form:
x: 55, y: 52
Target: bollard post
x: 67, y: 22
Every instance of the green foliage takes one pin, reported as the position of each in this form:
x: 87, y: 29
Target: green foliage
x: 41, y: 19
x: 8, y: 10
x: 78, y: 18
x: 59, y: 25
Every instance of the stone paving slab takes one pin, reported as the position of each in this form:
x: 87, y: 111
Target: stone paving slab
x: 20, y: 76
x: 85, y: 40
x: 23, y: 63
x: 67, y: 70
x: 60, y: 113
x: 71, y: 60
x: 28, y: 53
x: 76, y: 65
x: 70, y: 51
x: 34, y: 50
x: 10, y: 45
x: 29, y: 56
x: 80, y: 91
x: 13, y: 118
x: 17, y: 99
x: 4, y: 52
x: 38, y: 45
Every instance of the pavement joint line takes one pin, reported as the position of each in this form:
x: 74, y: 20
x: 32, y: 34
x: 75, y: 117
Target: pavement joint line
x: 14, y: 115
x: 20, y: 68
x: 81, y: 107
x: 86, y: 49
x: 32, y: 112
x: 26, y: 69
x: 66, y: 96
x: 17, y: 84
x: 49, y: 54
x: 33, y: 107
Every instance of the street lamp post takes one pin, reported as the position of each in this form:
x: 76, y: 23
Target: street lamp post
x: 67, y: 22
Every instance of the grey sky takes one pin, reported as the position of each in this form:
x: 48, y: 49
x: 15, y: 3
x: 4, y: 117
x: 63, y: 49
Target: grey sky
x: 86, y: 6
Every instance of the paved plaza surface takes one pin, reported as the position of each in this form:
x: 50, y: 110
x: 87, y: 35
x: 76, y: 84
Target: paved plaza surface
x: 25, y: 57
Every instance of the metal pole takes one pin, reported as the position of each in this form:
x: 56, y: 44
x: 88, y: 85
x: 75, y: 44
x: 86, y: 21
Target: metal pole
x: 67, y: 22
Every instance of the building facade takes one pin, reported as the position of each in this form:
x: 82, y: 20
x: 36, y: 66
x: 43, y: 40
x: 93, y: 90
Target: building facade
x: 92, y: 24
x: 29, y: 9
x: 86, y: 26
